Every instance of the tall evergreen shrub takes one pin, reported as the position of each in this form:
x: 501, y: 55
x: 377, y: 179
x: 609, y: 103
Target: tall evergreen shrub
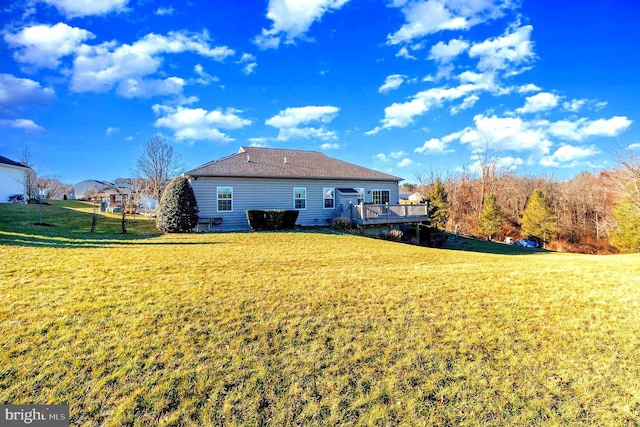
x: 177, y: 211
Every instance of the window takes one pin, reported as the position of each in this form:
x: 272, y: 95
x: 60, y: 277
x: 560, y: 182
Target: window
x: 299, y: 198
x: 360, y: 195
x: 225, y: 199
x: 329, y: 197
x: 380, y: 197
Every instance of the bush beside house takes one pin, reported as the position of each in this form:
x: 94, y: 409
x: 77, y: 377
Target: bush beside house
x: 272, y: 219
x: 177, y: 211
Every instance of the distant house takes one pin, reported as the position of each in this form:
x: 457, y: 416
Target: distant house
x: 318, y: 186
x: 13, y: 179
x: 87, y: 189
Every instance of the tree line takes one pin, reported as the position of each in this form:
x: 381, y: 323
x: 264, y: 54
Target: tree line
x: 590, y: 213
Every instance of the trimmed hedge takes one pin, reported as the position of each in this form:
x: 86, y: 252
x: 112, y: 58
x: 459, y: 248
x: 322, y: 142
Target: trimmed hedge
x: 271, y: 219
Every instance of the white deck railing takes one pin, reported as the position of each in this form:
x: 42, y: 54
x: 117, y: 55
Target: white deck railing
x: 388, y: 212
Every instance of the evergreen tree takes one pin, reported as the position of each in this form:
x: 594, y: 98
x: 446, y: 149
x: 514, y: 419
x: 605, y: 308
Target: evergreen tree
x: 439, y: 206
x: 177, y: 211
x: 491, y: 217
x: 626, y: 236
x: 539, y: 222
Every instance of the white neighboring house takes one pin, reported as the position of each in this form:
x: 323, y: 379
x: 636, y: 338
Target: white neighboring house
x: 13, y: 179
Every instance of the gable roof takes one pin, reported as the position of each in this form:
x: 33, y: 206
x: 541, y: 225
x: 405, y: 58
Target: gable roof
x: 281, y: 163
x: 4, y: 160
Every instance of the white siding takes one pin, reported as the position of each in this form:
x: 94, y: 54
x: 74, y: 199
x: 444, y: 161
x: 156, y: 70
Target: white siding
x: 12, y: 181
x: 263, y: 193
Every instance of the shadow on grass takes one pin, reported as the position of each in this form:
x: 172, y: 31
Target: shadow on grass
x: 470, y: 244
x: 69, y: 227
x: 88, y: 241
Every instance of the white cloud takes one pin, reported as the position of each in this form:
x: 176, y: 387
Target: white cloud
x: 536, y: 137
x: 404, y: 53
x: 435, y: 146
x: 24, y: 124
x: 43, y: 45
x: 295, y: 116
x: 575, y: 105
x: 529, y: 88
x: 512, y: 49
x: 569, y: 155
x: 163, y: 11
x: 291, y: 19
x: 405, y: 162
x: 539, y: 102
x: 100, y: 68
x: 382, y: 157
x: 198, y: 123
x: 330, y: 146
x: 249, y: 63
x: 467, y: 103
x: 204, y: 77
x: 292, y: 122
x: 445, y: 52
x: 111, y: 130
x: 607, y: 127
x: 146, y: 88
x: 424, y: 17
x: 258, y: 141
x: 79, y: 8
x: 635, y: 146
x: 402, y: 114
x: 16, y: 92
x: 392, y: 82
x: 505, y: 134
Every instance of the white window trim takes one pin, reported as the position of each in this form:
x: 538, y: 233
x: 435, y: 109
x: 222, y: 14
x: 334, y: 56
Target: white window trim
x: 364, y: 194
x: 380, y: 190
x: 218, y: 198
x: 333, y: 198
x: 294, y: 198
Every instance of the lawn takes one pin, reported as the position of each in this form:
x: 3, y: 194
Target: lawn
x: 310, y: 328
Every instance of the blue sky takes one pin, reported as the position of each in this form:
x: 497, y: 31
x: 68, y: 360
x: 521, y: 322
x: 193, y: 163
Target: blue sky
x: 403, y: 86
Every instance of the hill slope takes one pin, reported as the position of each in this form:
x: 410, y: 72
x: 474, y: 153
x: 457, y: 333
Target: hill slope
x: 317, y: 328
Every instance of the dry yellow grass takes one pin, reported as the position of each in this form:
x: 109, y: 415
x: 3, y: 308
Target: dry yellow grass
x: 316, y: 328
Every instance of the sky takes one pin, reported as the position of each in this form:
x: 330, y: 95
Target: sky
x: 407, y: 87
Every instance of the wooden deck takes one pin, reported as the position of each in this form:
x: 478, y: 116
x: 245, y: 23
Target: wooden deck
x: 388, y: 214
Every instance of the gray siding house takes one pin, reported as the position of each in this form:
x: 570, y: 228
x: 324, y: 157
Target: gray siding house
x: 318, y: 186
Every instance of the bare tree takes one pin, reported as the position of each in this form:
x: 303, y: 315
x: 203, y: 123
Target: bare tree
x: 52, y: 187
x: 157, y: 164
x: 31, y: 177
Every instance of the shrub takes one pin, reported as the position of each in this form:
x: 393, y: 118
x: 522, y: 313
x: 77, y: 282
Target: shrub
x: 16, y: 198
x: 341, y: 224
x: 178, y: 210
x: 433, y: 237
x: 271, y: 219
x: 394, y: 235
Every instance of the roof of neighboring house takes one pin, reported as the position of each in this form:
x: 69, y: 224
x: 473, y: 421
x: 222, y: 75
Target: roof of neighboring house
x: 4, y: 160
x: 281, y: 163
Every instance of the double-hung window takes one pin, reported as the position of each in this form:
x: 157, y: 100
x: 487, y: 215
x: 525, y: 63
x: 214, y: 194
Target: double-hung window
x: 329, y: 195
x: 380, y: 197
x: 299, y: 198
x: 225, y: 199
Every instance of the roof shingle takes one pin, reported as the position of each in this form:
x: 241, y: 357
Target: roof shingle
x: 6, y: 161
x: 281, y: 163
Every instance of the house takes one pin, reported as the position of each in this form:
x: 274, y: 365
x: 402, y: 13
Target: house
x: 318, y: 186
x: 90, y: 188
x: 13, y: 179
